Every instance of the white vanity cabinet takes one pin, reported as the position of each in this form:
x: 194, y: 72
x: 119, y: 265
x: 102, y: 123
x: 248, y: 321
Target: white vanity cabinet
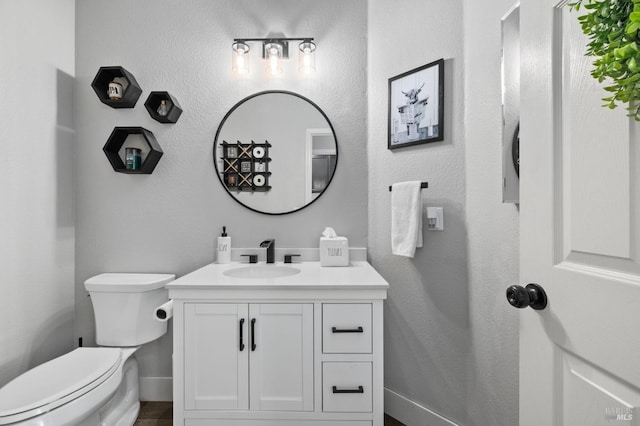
x: 293, y: 351
x: 248, y: 356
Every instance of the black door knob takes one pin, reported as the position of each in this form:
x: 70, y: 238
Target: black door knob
x: 533, y: 295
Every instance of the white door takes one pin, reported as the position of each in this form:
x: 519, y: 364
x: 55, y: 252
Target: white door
x: 281, y: 360
x: 580, y: 229
x: 215, y: 356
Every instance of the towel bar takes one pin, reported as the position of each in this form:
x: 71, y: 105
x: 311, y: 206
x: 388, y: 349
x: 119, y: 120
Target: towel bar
x: 422, y: 185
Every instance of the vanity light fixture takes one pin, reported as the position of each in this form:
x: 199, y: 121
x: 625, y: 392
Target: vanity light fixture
x: 307, y: 57
x: 240, y: 57
x: 274, y: 51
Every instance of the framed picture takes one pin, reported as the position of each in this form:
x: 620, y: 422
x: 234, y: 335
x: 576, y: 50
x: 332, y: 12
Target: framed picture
x: 416, y: 106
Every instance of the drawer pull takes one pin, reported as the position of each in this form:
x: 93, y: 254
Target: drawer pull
x: 347, y: 330
x: 359, y: 390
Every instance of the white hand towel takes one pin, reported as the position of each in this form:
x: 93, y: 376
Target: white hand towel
x: 406, y: 218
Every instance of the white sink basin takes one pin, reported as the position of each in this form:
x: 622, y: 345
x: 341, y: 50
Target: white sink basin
x: 261, y: 271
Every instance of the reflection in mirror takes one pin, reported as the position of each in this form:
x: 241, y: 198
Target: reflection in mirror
x: 299, y: 152
x: 511, y: 105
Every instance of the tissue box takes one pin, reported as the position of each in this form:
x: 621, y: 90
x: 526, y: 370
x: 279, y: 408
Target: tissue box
x: 334, y: 251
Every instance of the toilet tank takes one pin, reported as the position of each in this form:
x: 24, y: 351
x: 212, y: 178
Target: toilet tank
x: 124, y: 306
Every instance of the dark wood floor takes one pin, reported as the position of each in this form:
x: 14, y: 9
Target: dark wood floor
x: 161, y: 413
x: 390, y: 421
x: 155, y: 414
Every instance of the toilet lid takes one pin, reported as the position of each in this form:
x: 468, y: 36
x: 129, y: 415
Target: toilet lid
x: 48, y: 384
x: 127, y: 283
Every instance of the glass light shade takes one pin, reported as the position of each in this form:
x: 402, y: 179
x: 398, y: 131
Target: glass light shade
x: 307, y: 57
x: 240, y: 58
x: 273, y: 58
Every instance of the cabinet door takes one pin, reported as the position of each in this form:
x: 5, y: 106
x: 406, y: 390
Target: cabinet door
x: 215, y: 364
x: 281, y: 360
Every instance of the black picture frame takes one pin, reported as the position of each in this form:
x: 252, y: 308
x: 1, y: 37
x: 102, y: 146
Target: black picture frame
x: 416, y: 106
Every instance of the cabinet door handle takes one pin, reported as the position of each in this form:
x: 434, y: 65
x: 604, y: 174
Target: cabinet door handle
x: 241, y: 329
x: 347, y: 330
x: 359, y: 390
x: 253, y: 334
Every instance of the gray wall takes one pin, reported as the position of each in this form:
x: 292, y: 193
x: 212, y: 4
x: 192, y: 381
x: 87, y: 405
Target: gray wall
x: 36, y: 170
x: 450, y: 338
x: 427, y: 336
x: 168, y: 221
x: 491, y: 225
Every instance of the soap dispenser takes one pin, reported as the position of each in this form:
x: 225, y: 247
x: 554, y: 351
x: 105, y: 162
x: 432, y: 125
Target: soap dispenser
x: 224, y: 247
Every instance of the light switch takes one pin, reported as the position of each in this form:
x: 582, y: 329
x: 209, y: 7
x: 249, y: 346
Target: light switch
x: 435, y: 218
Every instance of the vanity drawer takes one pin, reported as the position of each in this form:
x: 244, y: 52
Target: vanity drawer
x: 346, y: 387
x: 346, y: 328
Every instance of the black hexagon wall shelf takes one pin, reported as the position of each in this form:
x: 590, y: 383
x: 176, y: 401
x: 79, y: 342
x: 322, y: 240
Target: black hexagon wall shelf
x: 173, y: 107
x: 131, y: 89
x: 117, y: 140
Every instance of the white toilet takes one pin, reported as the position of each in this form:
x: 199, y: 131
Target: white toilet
x: 94, y: 386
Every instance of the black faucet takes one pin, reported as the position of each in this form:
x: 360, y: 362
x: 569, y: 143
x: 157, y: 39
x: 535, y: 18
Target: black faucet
x: 270, y: 245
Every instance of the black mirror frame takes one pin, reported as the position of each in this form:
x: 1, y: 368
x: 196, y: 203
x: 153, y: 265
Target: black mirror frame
x: 215, y: 145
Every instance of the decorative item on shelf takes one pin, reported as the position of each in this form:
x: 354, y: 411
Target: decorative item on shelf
x: 613, y: 29
x: 114, y: 91
x: 245, y: 167
x: 274, y: 51
x: 116, y: 141
x: 163, y: 107
x: 116, y: 87
x: 416, y: 106
x: 133, y: 158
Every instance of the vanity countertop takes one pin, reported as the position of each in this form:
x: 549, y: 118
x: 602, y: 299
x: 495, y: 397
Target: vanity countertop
x: 359, y: 275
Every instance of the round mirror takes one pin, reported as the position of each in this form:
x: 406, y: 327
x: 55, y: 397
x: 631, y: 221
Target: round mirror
x: 275, y: 152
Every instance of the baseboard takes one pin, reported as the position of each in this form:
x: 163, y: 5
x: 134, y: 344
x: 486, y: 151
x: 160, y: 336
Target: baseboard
x: 411, y: 413
x: 156, y: 389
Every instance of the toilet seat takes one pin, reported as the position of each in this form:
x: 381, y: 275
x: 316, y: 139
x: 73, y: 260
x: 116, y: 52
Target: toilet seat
x: 57, y: 382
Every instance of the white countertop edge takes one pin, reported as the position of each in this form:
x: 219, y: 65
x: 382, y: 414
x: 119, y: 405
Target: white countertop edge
x: 284, y: 295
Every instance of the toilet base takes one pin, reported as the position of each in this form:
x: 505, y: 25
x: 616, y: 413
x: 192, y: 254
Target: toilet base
x: 123, y: 408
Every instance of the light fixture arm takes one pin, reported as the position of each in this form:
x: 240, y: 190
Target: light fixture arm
x: 274, y: 39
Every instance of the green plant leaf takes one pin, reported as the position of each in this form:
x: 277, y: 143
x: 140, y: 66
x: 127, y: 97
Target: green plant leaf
x: 612, y: 28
